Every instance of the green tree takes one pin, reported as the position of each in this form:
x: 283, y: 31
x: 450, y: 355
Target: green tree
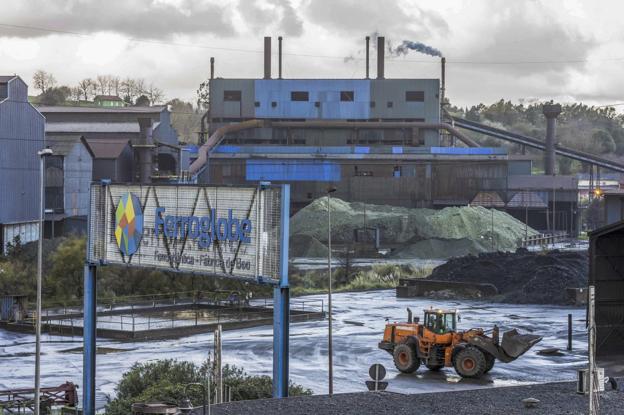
x: 603, y: 141
x: 55, y: 96
x: 164, y: 380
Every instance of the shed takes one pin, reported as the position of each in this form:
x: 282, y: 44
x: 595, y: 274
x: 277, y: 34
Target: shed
x: 606, y: 273
x: 112, y: 158
x: 13, y: 308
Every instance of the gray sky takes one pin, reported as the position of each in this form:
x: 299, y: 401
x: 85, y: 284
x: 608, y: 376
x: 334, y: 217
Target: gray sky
x: 528, y: 50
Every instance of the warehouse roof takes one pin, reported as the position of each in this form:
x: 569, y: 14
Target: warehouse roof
x: 134, y: 110
x: 106, y: 148
x: 93, y: 127
x: 62, y: 145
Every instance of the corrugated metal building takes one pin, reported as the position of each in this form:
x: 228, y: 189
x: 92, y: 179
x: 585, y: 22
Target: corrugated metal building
x: 129, y: 123
x: 22, y: 132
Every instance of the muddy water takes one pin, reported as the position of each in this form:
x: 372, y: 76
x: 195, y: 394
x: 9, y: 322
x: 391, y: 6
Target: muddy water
x: 359, y: 320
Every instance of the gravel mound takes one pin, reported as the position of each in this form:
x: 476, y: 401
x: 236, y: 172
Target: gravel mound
x: 306, y: 246
x: 522, y: 277
x: 412, y: 232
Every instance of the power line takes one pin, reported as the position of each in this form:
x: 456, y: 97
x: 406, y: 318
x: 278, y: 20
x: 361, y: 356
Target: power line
x: 344, y: 58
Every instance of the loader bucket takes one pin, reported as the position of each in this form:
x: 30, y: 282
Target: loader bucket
x: 515, y: 344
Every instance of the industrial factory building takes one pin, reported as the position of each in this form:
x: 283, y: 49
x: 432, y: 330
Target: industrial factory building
x: 382, y: 141
x: 21, y: 137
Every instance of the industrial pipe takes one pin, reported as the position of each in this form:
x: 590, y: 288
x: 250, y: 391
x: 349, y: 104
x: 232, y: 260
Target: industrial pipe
x: 212, y: 68
x: 379, y: 124
x: 367, y: 57
x: 381, y: 49
x: 442, y: 81
x: 267, y: 57
x: 216, y: 137
x: 279, y: 57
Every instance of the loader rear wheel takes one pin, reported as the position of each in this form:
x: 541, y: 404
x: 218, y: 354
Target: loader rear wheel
x: 470, y: 362
x: 405, y: 358
x: 489, y: 359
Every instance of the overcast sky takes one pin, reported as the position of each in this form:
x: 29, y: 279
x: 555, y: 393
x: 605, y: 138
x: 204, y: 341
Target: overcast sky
x: 570, y: 50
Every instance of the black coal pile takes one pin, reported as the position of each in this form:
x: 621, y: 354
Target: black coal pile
x: 521, y: 277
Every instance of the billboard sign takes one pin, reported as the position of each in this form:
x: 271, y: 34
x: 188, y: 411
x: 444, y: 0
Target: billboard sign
x: 212, y: 230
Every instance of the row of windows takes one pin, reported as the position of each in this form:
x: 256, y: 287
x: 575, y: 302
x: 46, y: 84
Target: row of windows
x: 345, y: 96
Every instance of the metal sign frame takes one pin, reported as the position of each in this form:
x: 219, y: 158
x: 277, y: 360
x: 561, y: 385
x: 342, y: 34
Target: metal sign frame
x: 281, y: 301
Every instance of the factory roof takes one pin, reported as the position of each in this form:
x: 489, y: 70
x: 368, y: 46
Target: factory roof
x: 488, y: 199
x: 7, y: 78
x: 133, y: 110
x: 62, y: 145
x: 107, y: 148
x: 93, y: 127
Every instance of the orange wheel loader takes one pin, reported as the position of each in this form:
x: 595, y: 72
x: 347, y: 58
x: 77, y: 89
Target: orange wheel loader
x: 436, y: 343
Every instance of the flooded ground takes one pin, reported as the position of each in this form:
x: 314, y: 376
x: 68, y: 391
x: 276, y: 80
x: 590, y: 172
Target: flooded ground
x: 359, y: 322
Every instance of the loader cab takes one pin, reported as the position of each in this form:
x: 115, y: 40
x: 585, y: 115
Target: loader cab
x: 440, y: 321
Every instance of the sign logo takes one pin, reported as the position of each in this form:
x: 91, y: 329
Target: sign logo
x: 128, y: 224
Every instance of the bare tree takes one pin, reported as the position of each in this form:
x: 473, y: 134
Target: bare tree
x: 87, y: 86
x: 43, y: 80
x: 154, y: 94
x: 102, y: 83
x: 76, y: 93
x: 127, y: 88
x: 140, y: 86
x: 114, y: 85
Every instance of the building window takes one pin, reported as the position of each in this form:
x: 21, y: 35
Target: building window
x: 232, y: 96
x: 317, y: 104
x: 372, y: 104
x: 414, y: 96
x: 257, y: 104
x: 226, y: 170
x: 273, y: 104
x: 309, y: 195
x: 390, y: 104
x: 54, y: 183
x: 346, y: 96
x: 299, y: 96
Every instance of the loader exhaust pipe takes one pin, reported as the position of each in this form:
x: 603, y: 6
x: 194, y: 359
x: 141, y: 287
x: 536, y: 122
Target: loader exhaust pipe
x: 409, y: 315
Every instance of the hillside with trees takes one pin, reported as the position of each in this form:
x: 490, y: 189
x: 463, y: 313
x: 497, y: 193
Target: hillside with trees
x: 597, y: 130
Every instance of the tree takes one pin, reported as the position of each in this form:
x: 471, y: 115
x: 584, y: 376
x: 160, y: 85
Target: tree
x: 55, y: 96
x: 203, y: 95
x: 128, y: 90
x: 103, y: 82
x: 142, y: 101
x: 76, y: 93
x: 43, y: 80
x: 154, y: 94
x: 114, y: 85
x: 87, y: 87
x: 603, y: 141
x: 164, y: 380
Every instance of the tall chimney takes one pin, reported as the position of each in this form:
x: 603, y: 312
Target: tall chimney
x: 443, y: 81
x: 551, y: 111
x: 367, y: 57
x: 145, y: 150
x: 381, y: 49
x: 267, y: 57
x: 279, y: 55
x: 212, y: 68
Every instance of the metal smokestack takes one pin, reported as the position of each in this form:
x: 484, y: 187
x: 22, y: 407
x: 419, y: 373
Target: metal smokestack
x: 367, y: 57
x: 551, y: 111
x: 279, y: 55
x: 381, y: 49
x: 211, y: 68
x: 267, y: 57
x: 443, y: 81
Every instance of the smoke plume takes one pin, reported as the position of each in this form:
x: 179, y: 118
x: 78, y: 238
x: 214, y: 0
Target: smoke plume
x: 408, y: 45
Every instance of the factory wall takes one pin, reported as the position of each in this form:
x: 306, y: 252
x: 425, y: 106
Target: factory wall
x: 21, y: 137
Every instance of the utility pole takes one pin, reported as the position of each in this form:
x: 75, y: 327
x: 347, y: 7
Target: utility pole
x: 217, y: 365
x: 591, y: 373
x: 42, y: 156
x: 330, y: 359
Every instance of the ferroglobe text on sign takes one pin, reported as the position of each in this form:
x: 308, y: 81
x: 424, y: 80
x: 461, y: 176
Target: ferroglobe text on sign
x: 224, y: 231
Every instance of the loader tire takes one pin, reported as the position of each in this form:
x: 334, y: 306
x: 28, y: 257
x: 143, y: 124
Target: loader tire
x: 489, y: 359
x: 405, y: 358
x: 434, y: 368
x: 470, y: 362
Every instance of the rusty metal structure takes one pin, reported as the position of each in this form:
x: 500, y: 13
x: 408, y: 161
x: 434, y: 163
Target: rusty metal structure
x: 21, y: 401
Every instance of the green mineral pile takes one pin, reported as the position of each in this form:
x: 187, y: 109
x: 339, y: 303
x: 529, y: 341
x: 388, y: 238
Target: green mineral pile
x: 409, y: 232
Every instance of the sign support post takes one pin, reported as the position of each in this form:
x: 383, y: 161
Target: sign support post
x: 89, y: 335
x: 281, y: 306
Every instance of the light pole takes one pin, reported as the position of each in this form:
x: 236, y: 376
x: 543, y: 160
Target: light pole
x: 329, y: 302
x: 42, y: 155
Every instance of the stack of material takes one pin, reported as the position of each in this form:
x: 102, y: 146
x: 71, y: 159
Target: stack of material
x: 415, y: 233
x: 522, y: 277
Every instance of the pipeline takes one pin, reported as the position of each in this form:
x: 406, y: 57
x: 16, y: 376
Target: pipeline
x: 218, y: 135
